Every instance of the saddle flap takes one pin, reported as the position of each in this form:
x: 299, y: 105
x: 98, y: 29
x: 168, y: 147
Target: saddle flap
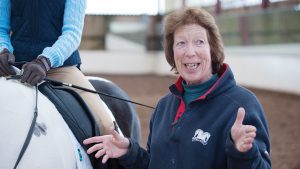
x: 77, y: 115
x: 74, y: 111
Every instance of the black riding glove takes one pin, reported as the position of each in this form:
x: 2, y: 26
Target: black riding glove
x: 6, y: 60
x: 35, y: 71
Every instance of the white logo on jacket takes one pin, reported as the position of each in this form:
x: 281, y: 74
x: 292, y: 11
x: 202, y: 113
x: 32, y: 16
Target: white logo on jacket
x: 201, y: 136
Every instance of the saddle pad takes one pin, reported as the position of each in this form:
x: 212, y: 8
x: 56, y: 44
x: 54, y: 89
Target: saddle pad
x: 75, y: 113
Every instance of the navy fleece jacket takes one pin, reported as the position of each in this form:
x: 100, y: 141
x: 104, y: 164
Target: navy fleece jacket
x: 200, y: 138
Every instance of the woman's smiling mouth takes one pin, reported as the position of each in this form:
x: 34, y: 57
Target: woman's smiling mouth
x: 192, y: 65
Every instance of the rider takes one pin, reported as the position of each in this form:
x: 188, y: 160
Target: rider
x: 46, y: 34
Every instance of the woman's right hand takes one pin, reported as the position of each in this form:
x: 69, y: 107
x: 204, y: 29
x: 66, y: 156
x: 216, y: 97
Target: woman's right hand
x: 108, y: 146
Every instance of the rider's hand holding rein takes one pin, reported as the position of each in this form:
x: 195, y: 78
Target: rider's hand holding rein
x: 6, y: 60
x: 108, y: 146
x: 35, y: 71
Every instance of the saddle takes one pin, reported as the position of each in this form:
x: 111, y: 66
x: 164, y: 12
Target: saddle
x: 76, y: 114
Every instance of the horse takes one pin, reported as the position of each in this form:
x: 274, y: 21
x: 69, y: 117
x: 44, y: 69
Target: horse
x: 52, y: 145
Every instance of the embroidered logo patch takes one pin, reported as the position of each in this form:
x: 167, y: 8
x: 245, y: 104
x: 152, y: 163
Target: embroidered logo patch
x: 201, y: 136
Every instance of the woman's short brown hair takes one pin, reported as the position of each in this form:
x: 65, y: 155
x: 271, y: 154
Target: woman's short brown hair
x: 193, y: 16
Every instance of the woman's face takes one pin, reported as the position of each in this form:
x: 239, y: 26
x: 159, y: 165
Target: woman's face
x: 192, y: 54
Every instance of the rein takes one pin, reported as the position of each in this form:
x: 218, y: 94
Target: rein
x: 59, y: 83
x: 52, y: 81
x: 30, y: 131
x: 93, y: 91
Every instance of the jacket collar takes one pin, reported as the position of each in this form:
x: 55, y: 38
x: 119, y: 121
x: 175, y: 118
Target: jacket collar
x: 224, y: 74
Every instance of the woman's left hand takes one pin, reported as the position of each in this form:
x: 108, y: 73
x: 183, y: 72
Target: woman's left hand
x: 242, y: 135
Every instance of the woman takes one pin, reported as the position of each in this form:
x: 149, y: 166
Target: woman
x: 206, y: 121
x: 46, y: 35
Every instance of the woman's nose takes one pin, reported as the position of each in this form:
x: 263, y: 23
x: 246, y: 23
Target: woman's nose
x: 190, y: 51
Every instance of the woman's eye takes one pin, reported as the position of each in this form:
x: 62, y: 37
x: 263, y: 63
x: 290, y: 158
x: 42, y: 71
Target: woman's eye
x: 181, y: 43
x: 199, y: 42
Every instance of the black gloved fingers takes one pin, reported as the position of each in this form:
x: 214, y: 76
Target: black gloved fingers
x: 6, y: 60
x: 11, y: 59
x: 5, y: 68
x: 9, y: 70
x: 3, y: 71
x: 35, y: 80
x: 33, y: 73
x: 26, y: 73
x: 30, y: 78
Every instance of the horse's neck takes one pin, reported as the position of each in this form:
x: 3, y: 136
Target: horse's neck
x: 16, y: 105
x: 50, y: 146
